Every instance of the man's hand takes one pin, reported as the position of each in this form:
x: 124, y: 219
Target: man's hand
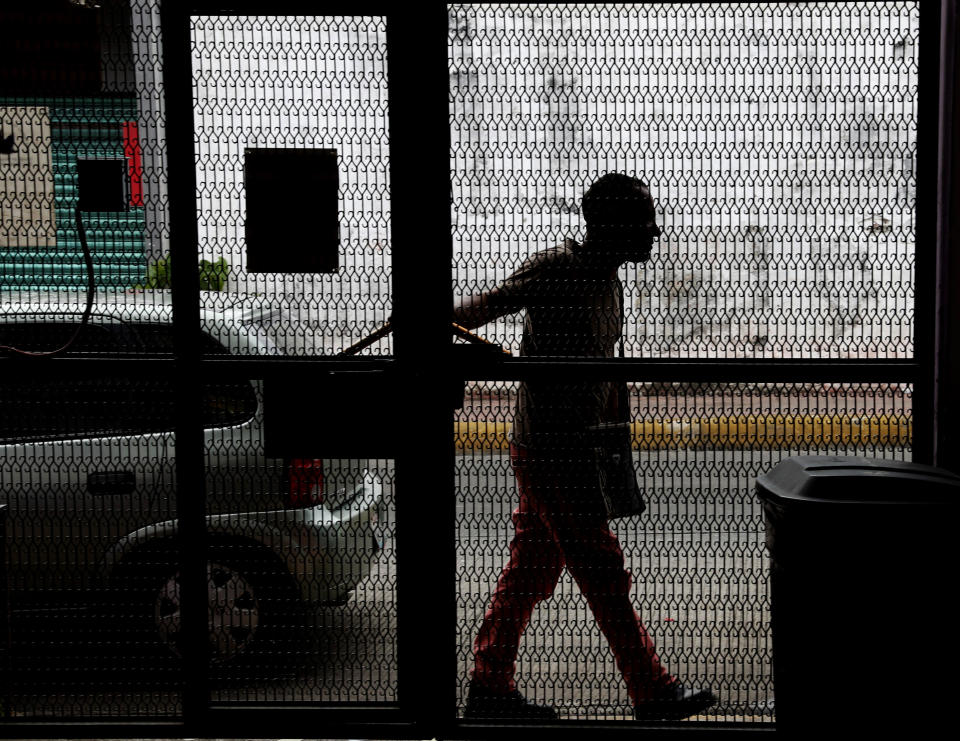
x: 470, y: 311
x: 474, y: 311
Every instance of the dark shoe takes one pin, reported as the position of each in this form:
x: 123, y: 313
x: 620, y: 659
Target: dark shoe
x: 673, y: 703
x: 485, y: 705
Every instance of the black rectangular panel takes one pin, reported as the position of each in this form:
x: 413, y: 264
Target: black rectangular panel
x: 102, y: 184
x: 351, y: 414
x: 337, y: 415
x: 292, y: 210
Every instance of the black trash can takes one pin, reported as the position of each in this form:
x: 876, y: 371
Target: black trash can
x: 862, y: 585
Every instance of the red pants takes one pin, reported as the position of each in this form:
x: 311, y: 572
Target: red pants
x: 561, y: 522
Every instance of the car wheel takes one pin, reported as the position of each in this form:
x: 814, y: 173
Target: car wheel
x: 251, y: 607
x: 233, y: 618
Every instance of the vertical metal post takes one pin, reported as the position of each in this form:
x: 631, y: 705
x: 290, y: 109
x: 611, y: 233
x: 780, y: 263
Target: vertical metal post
x: 422, y: 300
x: 946, y: 402
x: 928, y: 214
x: 178, y: 98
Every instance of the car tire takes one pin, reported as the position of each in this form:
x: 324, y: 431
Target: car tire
x: 254, y: 617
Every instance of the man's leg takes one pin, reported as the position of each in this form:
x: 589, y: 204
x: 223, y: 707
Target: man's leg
x: 605, y: 582
x: 530, y: 576
x: 573, y: 511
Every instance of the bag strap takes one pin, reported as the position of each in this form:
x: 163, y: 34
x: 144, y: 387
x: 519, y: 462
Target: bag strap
x: 623, y: 391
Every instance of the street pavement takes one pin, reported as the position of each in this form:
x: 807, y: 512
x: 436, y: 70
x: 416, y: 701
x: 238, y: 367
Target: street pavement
x: 698, y: 560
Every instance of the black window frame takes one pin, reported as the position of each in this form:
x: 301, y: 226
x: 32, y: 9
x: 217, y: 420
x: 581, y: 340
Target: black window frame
x: 426, y: 702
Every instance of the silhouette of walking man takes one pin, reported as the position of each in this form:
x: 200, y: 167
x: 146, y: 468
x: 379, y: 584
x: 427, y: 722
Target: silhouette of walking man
x: 574, y: 307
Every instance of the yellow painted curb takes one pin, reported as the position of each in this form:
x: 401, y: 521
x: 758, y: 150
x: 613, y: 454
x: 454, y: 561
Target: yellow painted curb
x: 480, y: 436
x: 751, y: 432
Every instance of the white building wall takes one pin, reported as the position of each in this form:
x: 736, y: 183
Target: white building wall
x: 778, y: 140
x: 147, y: 43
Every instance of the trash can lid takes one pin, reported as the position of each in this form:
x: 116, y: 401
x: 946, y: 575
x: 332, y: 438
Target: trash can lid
x: 855, y: 479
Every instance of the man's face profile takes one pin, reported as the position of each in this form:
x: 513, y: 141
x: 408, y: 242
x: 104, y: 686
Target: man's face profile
x: 625, y: 223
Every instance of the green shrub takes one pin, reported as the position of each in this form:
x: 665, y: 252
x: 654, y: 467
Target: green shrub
x: 212, y: 275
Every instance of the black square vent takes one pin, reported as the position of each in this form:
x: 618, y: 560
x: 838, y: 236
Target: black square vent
x: 102, y: 184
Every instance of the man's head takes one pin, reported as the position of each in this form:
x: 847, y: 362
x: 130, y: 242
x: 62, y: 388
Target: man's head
x: 620, y: 216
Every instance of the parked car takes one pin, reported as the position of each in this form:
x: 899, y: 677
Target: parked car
x: 87, y: 471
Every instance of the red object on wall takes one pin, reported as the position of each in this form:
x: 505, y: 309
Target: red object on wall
x: 134, y: 155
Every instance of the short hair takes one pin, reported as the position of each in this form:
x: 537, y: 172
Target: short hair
x: 614, y: 196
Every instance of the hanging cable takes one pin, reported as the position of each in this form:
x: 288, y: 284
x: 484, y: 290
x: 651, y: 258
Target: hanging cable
x: 91, y: 290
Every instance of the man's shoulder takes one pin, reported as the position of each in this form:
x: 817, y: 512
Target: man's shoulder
x: 557, y: 256
x: 541, y: 271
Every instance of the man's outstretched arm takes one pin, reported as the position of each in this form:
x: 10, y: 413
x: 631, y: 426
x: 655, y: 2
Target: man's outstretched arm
x: 512, y: 295
x: 476, y: 310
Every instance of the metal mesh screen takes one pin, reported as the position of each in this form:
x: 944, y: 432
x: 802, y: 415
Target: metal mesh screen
x: 697, y: 553
x: 301, y: 572
x: 301, y: 566
x: 778, y: 141
x: 87, y: 459
x: 301, y: 83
